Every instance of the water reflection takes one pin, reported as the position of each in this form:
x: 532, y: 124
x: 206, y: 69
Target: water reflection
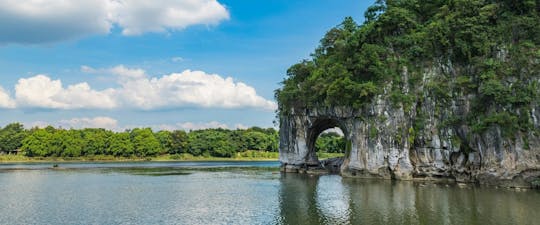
x: 334, y: 205
x: 308, y: 199
x: 172, y: 194
x: 297, y: 199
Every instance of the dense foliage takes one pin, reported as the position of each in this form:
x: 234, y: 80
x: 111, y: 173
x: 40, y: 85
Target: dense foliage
x: 487, y: 48
x: 330, y: 142
x: 11, y: 136
x: 143, y: 142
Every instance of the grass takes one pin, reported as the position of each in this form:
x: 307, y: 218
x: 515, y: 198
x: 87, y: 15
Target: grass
x: 250, y: 155
x: 13, y: 158
x: 161, y: 158
x: 327, y: 155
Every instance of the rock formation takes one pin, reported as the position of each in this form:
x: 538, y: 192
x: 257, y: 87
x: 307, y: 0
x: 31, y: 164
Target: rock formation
x: 383, y: 142
x: 443, y: 90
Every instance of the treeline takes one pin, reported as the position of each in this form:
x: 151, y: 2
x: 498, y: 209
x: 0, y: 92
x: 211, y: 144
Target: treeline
x: 140, y: 142
x: 330, y: 142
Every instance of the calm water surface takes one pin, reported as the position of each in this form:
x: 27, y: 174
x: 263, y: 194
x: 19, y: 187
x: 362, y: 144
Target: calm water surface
x: 241, y: 193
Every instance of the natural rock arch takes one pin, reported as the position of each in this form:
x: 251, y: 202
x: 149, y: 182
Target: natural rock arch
x: 382, y: 143
x: 299, y: 132
x: 319, y: 125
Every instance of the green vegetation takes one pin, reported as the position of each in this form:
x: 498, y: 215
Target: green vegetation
x: 51, y: 144
x: 11, y: 136
x: 330, y: 142
x: 243, y: 156
x: 327, y: 155
x: 487, y: 48
x: 139, y: 142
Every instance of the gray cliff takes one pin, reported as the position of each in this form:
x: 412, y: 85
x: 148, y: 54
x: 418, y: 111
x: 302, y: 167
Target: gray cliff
x: 383, y: 141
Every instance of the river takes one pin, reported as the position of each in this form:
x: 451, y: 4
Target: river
x: 242, y: 193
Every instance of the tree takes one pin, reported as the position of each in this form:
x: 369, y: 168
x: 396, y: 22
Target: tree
x: 144, y: 142
x: 72, y: 143
x: 119, y: 144
x: 256, y: 140
x: 95, y: 141
x: 490, y: 46
x: 165, y: 140
x: 179, y: 142
x: 37, y: 143
x: 330, y: 142
x: 212, y: 142
x: 11, y: 137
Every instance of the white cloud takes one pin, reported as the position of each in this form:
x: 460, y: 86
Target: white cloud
x: 96, y: 122
x: 137, y: 90
x: 87, y: 69
x: 5, y: 99
x: 44, y: 21
x: 177, y: 59
x: 40, y: 124
x: 199, y: 126
x: 42, y: 92
x: 79, y: 123
x: 189, y: 126
x: 112, y: 124
x: 125, y: 73
x: 336, y: 130
x: 140, y: 16
x: 240, y: 126
x: 189, y: 88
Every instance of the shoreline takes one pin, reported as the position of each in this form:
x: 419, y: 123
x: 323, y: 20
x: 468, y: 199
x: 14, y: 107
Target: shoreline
x: 112, y: 160
x: 4, y: 159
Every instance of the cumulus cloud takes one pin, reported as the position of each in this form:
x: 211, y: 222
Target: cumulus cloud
x: 5, y: 99
x: 43, y: 21
x: 112, y: 124
x: 188, y: 88
x: 189, y: 126
x: 96, y: 122
x: 40, y: 124
x: 135, y: 89
x: 140, y: 16
x: 79, y: 123
x: 41, y: 91
x: 125, y: 73
x: 199, y: 126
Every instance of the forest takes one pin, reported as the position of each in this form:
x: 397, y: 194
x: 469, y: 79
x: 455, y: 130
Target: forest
x: 144, y: 142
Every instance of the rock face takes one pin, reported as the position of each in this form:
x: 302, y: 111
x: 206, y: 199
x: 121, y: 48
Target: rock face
x: 383, y: 142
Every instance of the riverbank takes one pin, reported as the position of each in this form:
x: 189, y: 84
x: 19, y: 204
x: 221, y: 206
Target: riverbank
x: 243, y: 156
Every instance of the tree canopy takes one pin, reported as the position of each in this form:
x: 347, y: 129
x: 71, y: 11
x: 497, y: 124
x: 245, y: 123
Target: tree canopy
x: 143, y: 142
x: 490, y: 48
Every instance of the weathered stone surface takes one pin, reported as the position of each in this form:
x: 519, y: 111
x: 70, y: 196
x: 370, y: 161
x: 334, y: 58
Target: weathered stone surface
x: 332, y: 165
x: 384, y: 144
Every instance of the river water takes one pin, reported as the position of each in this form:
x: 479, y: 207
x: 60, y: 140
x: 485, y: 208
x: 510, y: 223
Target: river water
x: 242, y: 193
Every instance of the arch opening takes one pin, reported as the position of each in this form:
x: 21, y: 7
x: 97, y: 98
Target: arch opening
x: 330, y: 143
x: 327, y: 141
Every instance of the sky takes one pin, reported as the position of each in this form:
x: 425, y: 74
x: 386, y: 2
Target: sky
x: 164, y: 64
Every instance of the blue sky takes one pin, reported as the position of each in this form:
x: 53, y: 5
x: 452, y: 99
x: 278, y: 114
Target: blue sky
x: 172, y: 65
